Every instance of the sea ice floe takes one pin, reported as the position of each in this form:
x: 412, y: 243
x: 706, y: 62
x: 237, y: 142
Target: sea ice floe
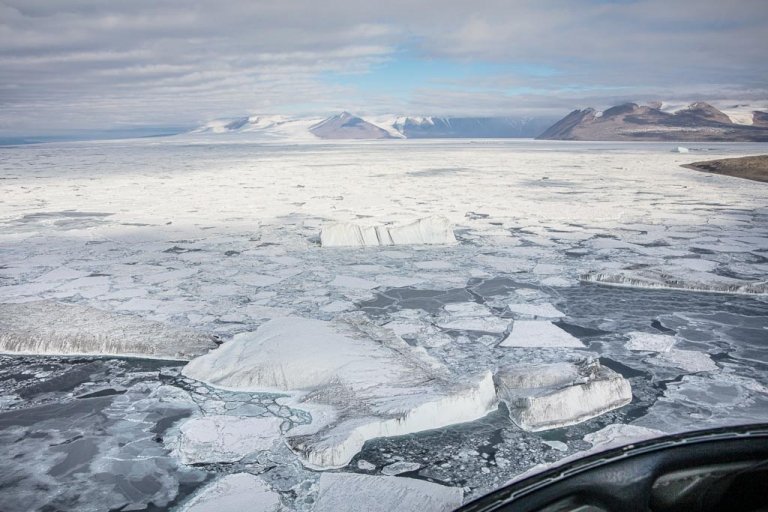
x: 619, y: 434
x: 239, y: 491
x: 337, y: 491
x: 545, y: 310
x: 539, y: 333
x: 551, y: 396
x: 359, y: 380
x: 429, y: 230
x: 49, y: 327
x: 687, y: 360
x: 650, y: 342
x: 225, y: 439
x: 397, y: 468
x: 471, y: 316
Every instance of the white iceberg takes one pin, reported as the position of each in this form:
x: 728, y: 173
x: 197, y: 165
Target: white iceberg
x: 51, y: 328
x: 429, y: 230
x: 240, y: 491
x: 557, y: 395
x: 539, y: 333
x: 339, y: 491
x: 360, y: 381
x: 676, y: 278
x: 213, y: 439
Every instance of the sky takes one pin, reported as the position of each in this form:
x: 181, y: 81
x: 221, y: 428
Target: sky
x: 143, y: 65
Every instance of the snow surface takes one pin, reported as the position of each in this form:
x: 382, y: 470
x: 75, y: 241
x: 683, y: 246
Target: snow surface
x: 48, y: 327
x: 384, y: 494
x: 429, y: 230
x: 378, y: 385
x: 553, y: 396
x: 539, y: 333
x: 236, y: 492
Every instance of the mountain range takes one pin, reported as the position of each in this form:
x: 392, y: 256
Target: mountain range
x: 632, y: 122
x: 626, y: 122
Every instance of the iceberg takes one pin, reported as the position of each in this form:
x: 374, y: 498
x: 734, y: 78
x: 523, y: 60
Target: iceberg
x: 539, y: 333
x: 240, y: 491
x: 337, y: 491
x: 361, y: 381
x: 427, y: 231
x: 51, y: 328
x: 677, y: 279
x: 561, y: 394
x: 225, y: 439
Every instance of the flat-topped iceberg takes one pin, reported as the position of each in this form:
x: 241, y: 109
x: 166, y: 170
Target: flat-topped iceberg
x: 433, y: 230
x: 51, y: 328
x: 360, y: 381
x: 339, y: 491
x: 543, y: 397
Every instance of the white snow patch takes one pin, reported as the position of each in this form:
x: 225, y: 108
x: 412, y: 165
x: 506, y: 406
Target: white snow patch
x: 539, y: 333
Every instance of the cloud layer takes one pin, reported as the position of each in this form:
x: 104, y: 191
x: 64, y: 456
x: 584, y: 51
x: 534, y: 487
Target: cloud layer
x: 100, y: 64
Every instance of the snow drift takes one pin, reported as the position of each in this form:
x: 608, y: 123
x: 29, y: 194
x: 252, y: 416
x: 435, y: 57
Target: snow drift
x: 374, y: 384
x: 426, y: 231
x: 52, y: 328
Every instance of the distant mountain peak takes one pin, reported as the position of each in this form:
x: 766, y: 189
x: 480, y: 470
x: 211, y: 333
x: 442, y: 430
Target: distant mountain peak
x: 348, y: 126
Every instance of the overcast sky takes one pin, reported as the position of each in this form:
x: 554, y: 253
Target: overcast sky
x: 83, y: 64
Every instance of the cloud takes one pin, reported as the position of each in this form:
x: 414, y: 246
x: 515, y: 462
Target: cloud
x: 101, y: 64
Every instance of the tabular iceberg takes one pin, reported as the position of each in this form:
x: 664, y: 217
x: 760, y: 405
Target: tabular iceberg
x: 427, y: 231
x: 52, y: 328
x: 560, y: 394
x: 374, y: 383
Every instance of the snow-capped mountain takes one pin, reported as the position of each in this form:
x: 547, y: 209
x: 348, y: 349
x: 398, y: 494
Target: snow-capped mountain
x: 347, y: 126
x: 697, y: 121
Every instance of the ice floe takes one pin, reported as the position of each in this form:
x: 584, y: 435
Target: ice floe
x: 539, y: 333
x: 618, y: 434
x: 429, y: 230
x: 239, y: 491
x: 561, y: 394
x: 687, y: 360
x: 49, y: 327
x: 545, y: 310
x: 218, y: 438
x: 471, y: 316
x: 336, y: 491
x: 375, y: 384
